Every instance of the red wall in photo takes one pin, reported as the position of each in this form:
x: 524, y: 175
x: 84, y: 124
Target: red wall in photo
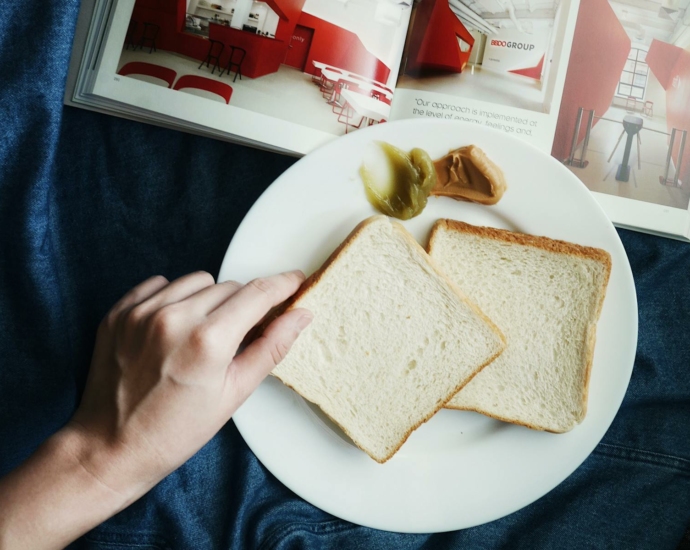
x: 434, y: 39
x: 264, y: 55
x: 167, y: 14
x: 341, y: 48
x: 662, y: 58
x: 678, y: 108
x: 292, y: 9
x: 600, y: 49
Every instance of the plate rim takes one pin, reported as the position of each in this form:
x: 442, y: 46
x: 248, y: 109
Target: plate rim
x: 626, y: 274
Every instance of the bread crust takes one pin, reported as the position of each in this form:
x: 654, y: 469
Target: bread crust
x: 551, y: 245
x: 545, y: 243
x: 509, y: 420
x: 313, y: 280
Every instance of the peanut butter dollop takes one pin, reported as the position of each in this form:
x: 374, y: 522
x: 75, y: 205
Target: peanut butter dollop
x: 468, y: 174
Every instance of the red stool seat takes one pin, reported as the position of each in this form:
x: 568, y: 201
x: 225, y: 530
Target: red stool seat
x: 203, y: 83
x: 149, y: 69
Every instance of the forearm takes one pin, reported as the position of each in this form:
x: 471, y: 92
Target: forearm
x: 164, y: 378
x: 53, y: 498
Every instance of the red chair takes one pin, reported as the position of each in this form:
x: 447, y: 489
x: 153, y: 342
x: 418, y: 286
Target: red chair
x: 327, y: 86
x: 337, y: 102
x: 202, y: 83
x: 384, y: 90
x: 630, y: 104
x: 649, y: 108
x: 347, y: 116
x: 149, y: 69
x: 381, y: 97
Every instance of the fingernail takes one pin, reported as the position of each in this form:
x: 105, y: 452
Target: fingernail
x: 304, y: 320
x: 297, y: 272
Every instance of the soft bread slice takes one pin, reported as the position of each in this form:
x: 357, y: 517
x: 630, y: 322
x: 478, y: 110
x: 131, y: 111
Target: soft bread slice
x: 546, y: 297
x: 391, y: 341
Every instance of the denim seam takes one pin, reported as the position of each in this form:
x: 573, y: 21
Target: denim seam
x: 327, y: 527
x: 127, y: 544
x: 678, y: 464
x: 129, y: 539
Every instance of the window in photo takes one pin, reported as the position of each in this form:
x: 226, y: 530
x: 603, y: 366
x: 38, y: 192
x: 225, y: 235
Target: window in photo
x: 633, y: 79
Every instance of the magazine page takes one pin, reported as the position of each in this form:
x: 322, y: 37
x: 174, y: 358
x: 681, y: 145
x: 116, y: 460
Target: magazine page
x: 497, y: 63
x: 291, y: 74
x: 625, y: 113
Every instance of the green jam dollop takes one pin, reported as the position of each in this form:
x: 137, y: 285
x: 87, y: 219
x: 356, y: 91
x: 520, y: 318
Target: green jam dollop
x: 398, y: 183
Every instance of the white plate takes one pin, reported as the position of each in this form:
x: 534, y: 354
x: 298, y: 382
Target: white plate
x: 460, y: 469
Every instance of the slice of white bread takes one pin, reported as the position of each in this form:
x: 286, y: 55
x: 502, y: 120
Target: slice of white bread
x: 391, y: 341
x: 546, y: 297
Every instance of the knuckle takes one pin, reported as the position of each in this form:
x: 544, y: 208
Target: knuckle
x: 296, y: 276
x: 278, y: 351
x: 232, y: 284
x: 202, y: 338
x: 136, y: 314
x: 262, y: 285
x: 163, y: 322
x: 110, y: 321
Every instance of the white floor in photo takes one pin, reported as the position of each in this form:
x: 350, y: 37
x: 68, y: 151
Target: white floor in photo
x: 643, y: 184
x: 503, y: 89
x: 288, y: 94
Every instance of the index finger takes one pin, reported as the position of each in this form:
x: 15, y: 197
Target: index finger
x: 250, y: 304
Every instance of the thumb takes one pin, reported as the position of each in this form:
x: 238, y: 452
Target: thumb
x: 251, y: 366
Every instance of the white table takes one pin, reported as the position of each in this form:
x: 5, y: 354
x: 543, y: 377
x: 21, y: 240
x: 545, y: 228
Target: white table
x: 368, y: 85
x: 332, y: 76
x: 316, y: 78
x: 331, y: 73
x: 368, y: 107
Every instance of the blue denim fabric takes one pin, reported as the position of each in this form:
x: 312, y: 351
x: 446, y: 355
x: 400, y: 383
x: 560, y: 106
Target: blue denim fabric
x: 91, y: 204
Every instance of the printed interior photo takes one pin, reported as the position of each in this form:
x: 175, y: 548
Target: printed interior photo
x: 623, y: 123
x: 500, y: 51
x: 329, y: 65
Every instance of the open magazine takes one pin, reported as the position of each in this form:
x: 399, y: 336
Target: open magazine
x: 602, y: 85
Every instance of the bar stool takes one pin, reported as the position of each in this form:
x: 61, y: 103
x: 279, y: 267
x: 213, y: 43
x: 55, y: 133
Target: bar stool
x: 235, y: 61
x: 131, y: 30
x: 214, y: 52
x: 149, y: 36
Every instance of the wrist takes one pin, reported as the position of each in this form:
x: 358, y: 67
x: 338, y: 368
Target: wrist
x: 106, y: 464
x: 56, y: 495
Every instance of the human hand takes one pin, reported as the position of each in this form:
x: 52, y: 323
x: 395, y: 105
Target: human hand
x: 164, y: 376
